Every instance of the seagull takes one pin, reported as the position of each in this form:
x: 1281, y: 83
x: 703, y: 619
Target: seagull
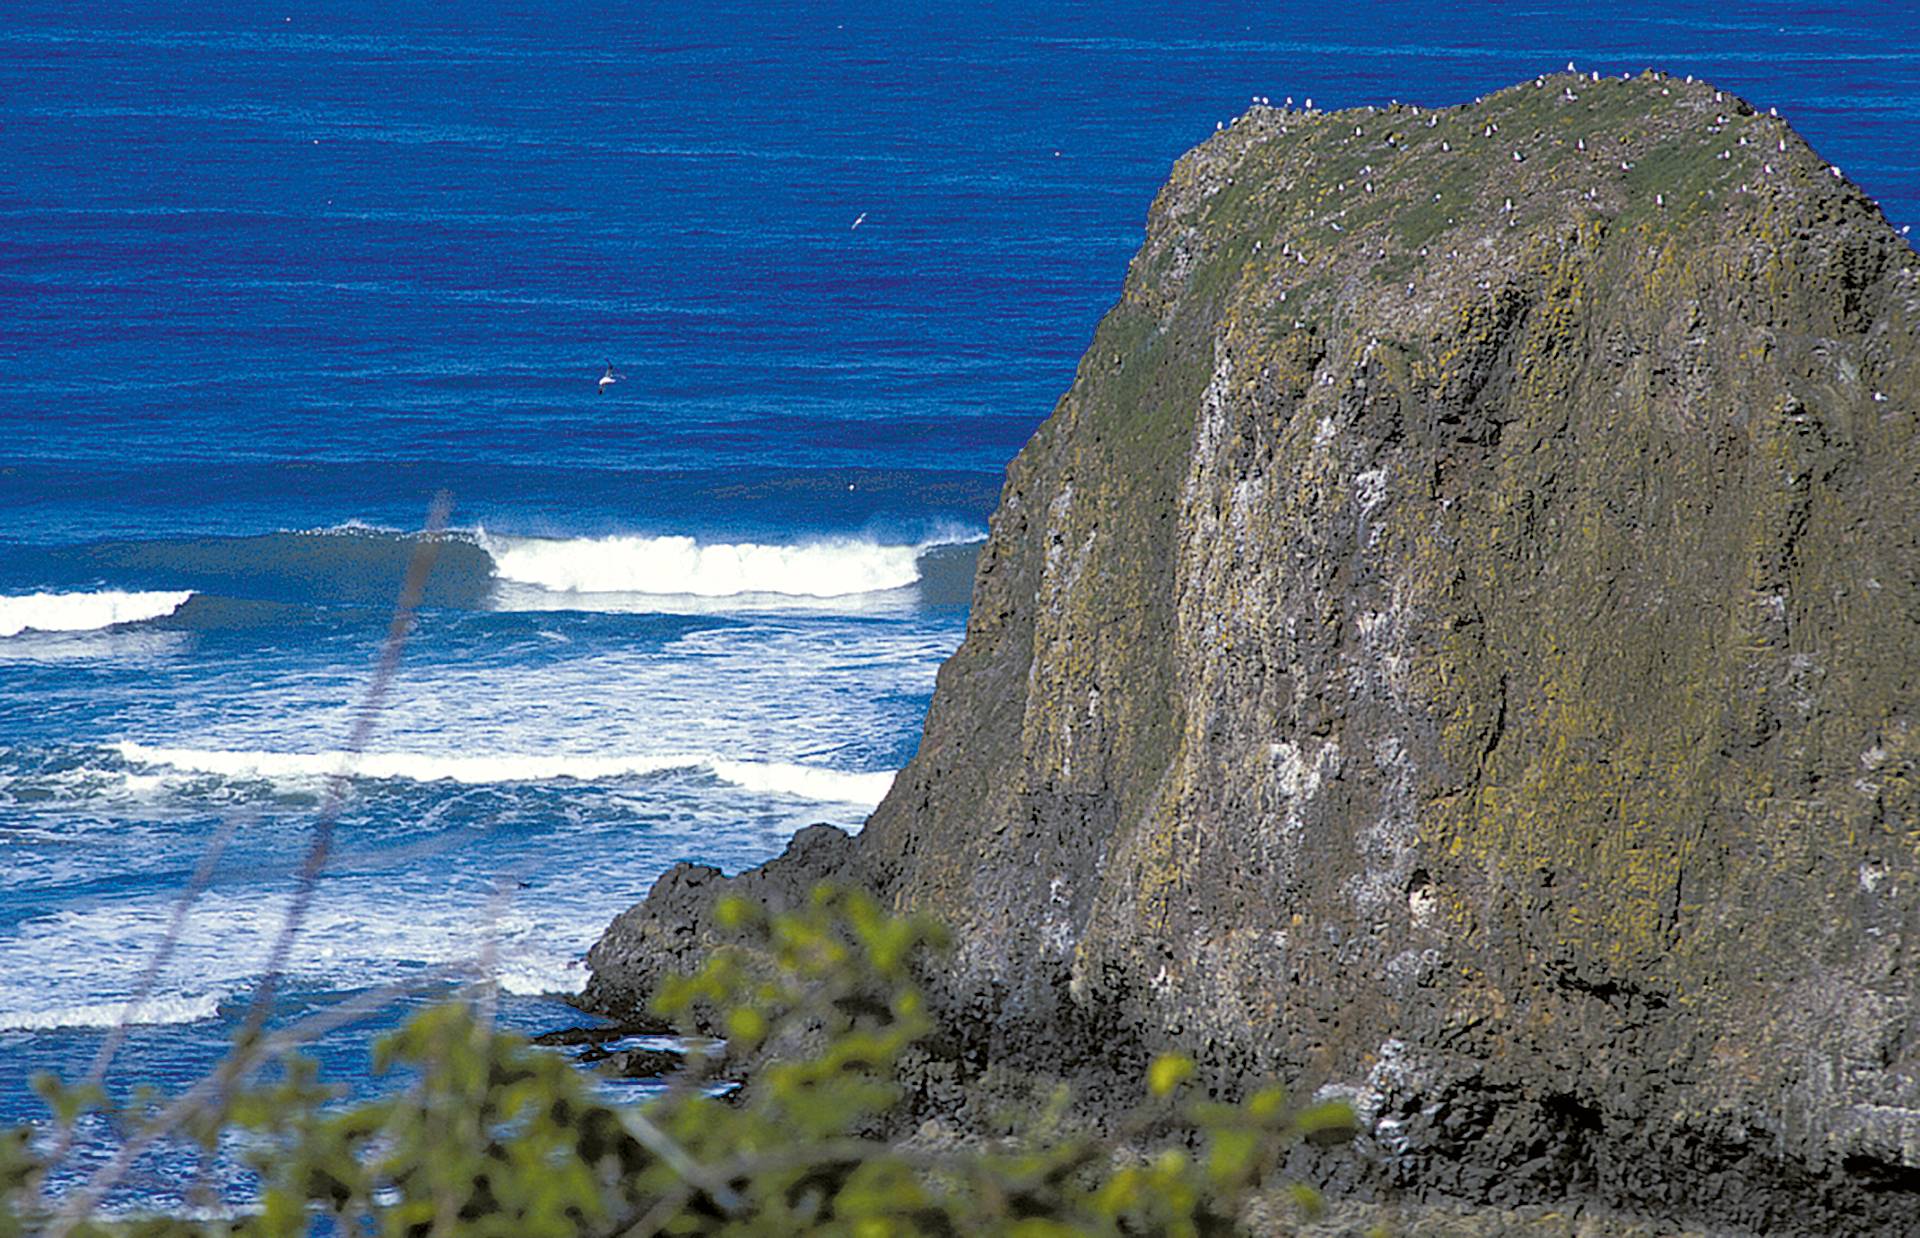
x: 862, y: 216
x: 611, y: 377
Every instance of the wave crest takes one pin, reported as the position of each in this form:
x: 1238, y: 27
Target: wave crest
x: 108, y: 1014
x: 811, y: 782
x: 685, y: 567
x: 84, y: 612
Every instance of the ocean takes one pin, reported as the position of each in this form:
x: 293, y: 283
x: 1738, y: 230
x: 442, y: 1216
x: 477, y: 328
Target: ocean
x: 271, y: 278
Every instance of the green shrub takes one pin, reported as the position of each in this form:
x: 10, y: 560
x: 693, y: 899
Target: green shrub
x: 492, y: 1136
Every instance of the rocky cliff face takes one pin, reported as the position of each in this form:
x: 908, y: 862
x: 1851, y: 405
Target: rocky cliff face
x: 1458, y: 643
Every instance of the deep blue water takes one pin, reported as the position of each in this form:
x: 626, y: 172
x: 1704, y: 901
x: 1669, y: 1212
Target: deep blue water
x: 270, y: 278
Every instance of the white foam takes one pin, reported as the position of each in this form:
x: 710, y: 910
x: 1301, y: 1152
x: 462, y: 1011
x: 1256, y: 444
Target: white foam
x: 529, y: 979
x: 83, y: 612
x: 807, y: 782
x: 681, y: 566
x: 772, y: 777
x: 511, y: 597
x: 108, y: 1014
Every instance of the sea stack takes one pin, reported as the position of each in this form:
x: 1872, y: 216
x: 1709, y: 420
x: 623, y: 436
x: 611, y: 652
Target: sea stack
x: 1456, y: 645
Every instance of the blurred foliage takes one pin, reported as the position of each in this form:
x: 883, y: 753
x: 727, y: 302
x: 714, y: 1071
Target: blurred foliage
x: 489, y: 1135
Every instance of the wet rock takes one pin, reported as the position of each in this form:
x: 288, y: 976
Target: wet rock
x: 635, y: 1063
x: 567, y: 1037
x: 673, y: 929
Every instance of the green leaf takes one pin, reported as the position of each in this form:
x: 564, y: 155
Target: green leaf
x: 1168, y: 1072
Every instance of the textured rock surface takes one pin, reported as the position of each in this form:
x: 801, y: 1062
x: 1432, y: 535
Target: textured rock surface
x: 1457, y: 643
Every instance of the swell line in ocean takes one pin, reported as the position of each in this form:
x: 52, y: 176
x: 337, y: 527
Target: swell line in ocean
x: 207, y: 582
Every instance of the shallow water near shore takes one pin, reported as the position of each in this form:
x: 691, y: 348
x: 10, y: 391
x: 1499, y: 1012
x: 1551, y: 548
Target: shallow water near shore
x: 269, y: 282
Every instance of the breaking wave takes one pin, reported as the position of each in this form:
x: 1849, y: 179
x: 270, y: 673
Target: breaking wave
x: 84, y: 612
x: 108, y: 1014
x: 810, y: 782
x: 683, y: 566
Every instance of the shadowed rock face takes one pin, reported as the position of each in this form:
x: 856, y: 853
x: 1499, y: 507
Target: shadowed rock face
x: 1457, y: 644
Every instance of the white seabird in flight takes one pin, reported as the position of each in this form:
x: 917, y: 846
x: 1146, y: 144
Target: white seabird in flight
x: 611, y: 377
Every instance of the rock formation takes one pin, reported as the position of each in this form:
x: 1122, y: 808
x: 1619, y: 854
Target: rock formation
x: 1457, y: 645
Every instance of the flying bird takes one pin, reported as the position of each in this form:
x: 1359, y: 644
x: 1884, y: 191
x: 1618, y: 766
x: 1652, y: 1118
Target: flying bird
x: 611, y: 377
x: 862, y: 216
